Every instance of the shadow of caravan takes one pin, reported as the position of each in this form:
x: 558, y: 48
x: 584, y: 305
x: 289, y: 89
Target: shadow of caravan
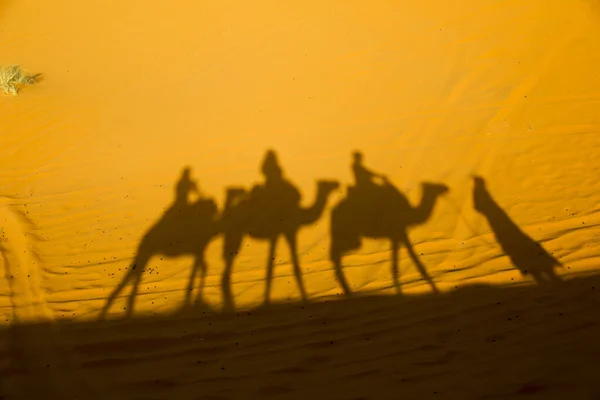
x: 378, y: 211
x: 269, y: 211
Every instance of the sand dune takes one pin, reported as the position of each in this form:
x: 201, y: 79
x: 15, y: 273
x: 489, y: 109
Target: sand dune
x: 479, y: 120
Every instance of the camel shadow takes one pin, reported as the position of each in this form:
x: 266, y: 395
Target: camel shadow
x: 379, y: 211
x: 267, y: 212
x: 527, y: 255
x: 184, y: 229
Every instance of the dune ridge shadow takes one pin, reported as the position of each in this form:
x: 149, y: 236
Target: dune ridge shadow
x: 479, y: 341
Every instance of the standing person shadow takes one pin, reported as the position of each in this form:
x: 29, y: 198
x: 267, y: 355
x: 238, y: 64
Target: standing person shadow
x: 184, y: 229
x: 527, y: 255
x: 376, y: 211
x: 267, y: 212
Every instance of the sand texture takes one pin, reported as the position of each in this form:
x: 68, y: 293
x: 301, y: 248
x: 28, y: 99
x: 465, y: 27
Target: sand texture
x: 327, y: 200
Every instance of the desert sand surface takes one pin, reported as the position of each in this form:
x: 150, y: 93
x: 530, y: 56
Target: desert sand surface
x: 184, y: 213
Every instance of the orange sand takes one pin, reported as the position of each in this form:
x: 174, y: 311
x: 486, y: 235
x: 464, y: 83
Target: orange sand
x: 428, y: 91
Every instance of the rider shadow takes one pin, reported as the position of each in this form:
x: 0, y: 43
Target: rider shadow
x: 267, y: 212
x: 379, y: 212
x: 527, y: 255
x: 184, y: 229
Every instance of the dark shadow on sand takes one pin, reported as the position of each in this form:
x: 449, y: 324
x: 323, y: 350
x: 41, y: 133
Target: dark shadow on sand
x: 378, y: 211
x: 185, y: 228
x: 479, y: 342
x: 527, y: 255
x: 268, y: 211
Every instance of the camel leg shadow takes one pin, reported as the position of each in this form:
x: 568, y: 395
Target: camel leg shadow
x: 341, y: 244
x: 199, y: 266
x: 190, y: 286
x: 203, y: 272
x: 270, y: 268
x: 340, y: 276
x: 293, y: 245
x: 395, y: 266
x: 134, y: 274
x: 546, y: 278
x: 413, y: 255
x: 232, y: 244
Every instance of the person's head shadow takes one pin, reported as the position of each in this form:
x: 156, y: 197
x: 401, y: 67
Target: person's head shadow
x: 268, y: 211
x: 185, y: 228
x: 271, y: 169
x: 378, y: 211
x: 527, y: 255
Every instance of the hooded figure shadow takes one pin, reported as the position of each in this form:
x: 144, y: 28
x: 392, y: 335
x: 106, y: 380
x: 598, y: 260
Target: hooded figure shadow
x: 527, y: 255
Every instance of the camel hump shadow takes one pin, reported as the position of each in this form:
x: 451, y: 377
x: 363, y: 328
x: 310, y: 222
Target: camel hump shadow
x: 526, y: 254
x: 383, y: 209
x: 277, y: 202
x: 177, y: 223
x: 380, y: 212
x: 281, y: 192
